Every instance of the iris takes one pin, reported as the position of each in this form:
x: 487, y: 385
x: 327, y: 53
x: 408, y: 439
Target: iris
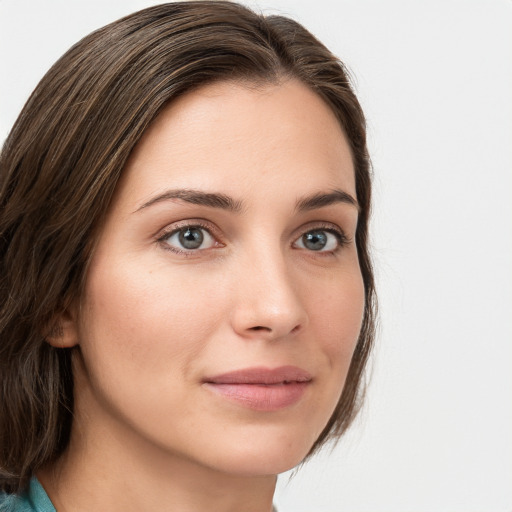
x: 191, y: 238
x: 315, y: 240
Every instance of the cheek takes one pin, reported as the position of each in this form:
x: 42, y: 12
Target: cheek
x: 337, y: 316
x: 340, y: 308
x: 139, y: 321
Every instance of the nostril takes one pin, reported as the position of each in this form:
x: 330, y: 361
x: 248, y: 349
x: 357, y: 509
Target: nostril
x: 260, y: 328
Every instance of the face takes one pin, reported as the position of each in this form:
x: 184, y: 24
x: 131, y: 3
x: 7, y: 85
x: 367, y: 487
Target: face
x: 224, y: 298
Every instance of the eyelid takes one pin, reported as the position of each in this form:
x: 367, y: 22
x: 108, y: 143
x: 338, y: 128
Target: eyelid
x: 325, y: 226
x: 329, y: 227
x: 175, y: 227
x: 214, y: 232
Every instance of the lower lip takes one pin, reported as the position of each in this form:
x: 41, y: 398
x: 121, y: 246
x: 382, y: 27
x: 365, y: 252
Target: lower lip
x: 261, y: 397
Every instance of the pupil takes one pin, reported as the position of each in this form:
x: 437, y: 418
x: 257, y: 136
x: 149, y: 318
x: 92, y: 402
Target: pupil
x: 191, y: 238
x: 315, y: 240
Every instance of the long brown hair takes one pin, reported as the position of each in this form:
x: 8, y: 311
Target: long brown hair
x: 63, y: 158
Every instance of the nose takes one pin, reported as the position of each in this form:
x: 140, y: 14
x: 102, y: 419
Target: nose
x: 268, y: 303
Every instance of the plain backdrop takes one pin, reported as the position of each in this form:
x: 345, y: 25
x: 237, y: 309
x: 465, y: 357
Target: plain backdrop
x: 435, y: 80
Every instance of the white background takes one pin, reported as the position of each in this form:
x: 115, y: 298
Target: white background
x: 435, y: 79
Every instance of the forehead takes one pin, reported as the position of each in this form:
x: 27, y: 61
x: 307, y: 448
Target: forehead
x: 242, y: 138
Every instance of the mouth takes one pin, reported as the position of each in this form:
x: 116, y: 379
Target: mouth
x: 261, y: 389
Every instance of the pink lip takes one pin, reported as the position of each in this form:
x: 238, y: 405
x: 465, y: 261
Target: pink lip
x: 262, y: 389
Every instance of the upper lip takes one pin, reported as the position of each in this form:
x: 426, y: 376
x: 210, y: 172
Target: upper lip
x: 261, y: 375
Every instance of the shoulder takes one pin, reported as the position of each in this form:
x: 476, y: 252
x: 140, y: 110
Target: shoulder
x: 34, y: 499
x: 14, y: 503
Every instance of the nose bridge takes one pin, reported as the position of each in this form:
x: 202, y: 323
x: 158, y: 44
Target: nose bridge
x: 268, y: 299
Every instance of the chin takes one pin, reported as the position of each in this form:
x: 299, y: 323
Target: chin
x: 260, y: 464
x: 265, y: 453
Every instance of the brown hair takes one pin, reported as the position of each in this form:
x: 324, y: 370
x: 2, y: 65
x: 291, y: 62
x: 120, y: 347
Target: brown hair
x: 63, y: 158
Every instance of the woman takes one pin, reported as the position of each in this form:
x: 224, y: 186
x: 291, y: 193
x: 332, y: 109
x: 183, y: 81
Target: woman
x: 186, y: 290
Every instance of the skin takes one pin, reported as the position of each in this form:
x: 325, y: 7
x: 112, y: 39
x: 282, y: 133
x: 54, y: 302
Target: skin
x: 153, y: 322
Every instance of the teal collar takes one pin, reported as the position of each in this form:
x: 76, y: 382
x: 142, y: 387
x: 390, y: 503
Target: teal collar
x: 37, y: 497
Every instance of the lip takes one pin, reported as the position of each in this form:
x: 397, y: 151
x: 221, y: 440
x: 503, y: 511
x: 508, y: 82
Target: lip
x: 261, y: 388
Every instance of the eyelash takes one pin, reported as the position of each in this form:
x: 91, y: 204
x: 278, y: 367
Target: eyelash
x: 176, y: 229
x: 342, y: 239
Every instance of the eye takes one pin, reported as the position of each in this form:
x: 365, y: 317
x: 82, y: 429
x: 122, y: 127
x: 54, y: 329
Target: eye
x: 321, y: 240
x: 189, y: 238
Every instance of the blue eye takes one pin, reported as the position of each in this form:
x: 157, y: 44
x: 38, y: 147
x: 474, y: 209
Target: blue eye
x: 320, y: 240
x: 190, y: 238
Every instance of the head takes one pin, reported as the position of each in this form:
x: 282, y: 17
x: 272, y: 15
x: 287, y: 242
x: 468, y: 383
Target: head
x: 65, y: 167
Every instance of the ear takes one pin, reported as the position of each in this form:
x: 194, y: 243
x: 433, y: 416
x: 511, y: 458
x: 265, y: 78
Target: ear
x: 63, y: 332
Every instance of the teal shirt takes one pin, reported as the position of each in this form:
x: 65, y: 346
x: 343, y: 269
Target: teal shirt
x: 34, y: 499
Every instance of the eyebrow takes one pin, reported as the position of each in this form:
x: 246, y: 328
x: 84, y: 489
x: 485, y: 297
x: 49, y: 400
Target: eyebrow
x: 326, y: 199
x: 213, y: 200
x: 225, y: 202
